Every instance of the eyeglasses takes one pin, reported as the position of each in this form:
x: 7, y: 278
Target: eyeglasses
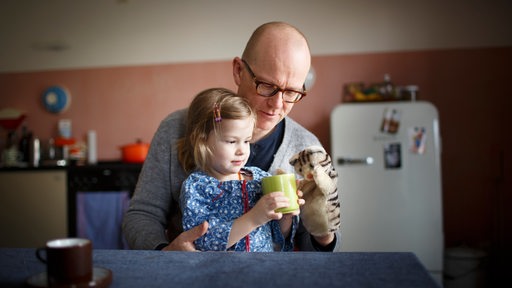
x: 266, y: 89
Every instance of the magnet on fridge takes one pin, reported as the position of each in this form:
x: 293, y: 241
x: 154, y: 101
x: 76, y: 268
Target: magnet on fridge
x: 390, y: 121
x: 417, y: 139
x: 392, y: 156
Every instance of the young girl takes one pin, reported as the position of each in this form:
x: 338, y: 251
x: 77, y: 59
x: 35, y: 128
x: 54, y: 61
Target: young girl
x: 220, y: 190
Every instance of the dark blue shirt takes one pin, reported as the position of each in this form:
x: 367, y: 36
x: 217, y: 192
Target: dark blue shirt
x: 263, y: 151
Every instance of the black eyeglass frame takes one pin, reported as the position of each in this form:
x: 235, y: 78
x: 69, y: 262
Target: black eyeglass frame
x: 300, y: 94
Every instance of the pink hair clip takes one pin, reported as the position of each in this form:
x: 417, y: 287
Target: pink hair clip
x: 216, y: 113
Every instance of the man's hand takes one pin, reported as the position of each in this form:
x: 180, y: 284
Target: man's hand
x: 325, y: 240
x: 185, y: 241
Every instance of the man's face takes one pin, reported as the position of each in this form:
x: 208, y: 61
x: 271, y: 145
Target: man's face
x: 270, y: 110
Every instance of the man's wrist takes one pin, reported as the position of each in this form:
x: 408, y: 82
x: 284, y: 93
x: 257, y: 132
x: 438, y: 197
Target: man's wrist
x: 324, y: 240
x: 324, y: 243
x: 161, y: 246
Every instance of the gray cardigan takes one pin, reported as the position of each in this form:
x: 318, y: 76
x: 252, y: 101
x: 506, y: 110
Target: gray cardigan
x: 157, y: 192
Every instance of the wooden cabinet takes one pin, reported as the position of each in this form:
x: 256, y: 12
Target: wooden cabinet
x: 33, y: 207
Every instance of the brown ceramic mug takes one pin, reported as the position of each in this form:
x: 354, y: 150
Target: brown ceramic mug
x: 68, y: 261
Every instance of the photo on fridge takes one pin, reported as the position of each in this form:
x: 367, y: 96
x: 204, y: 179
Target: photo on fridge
x: 417, y: 138
x: 392, y: 156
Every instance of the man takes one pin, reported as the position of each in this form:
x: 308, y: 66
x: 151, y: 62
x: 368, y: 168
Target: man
x: 270, y: 75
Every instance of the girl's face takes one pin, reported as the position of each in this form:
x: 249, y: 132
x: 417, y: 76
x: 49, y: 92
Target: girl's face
x: 230, y: 148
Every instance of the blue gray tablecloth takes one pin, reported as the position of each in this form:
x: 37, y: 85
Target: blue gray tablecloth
x: 133, y: 268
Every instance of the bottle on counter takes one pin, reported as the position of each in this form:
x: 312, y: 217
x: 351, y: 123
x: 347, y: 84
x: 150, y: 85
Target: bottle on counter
x: 35, y: 152
x: 10, y: 156
x: 92, y: 157
x: 24, y: 145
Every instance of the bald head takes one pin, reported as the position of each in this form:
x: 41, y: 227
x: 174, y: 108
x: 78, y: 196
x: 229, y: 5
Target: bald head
x: 276, y: 40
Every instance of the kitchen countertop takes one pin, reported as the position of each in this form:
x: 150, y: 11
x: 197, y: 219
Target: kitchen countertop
x: 100, y: 165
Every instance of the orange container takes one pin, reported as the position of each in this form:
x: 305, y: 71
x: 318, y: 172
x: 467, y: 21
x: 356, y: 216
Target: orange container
x: 135, y: 153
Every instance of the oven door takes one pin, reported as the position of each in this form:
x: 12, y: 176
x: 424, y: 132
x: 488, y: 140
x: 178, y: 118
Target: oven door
x: 98, y: 197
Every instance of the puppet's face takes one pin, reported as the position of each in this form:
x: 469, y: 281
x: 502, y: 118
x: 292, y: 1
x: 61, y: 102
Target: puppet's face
x: 307, y: 160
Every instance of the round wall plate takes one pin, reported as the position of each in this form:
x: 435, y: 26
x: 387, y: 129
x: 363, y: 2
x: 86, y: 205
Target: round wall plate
x: 56, y: 99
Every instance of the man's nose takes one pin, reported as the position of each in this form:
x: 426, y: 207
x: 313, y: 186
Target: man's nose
x: 277, y: 99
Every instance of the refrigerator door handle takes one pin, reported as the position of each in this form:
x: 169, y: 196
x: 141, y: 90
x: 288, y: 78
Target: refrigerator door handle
x: 355, y: 161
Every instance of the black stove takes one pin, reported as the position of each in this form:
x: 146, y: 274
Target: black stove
x: 95, y: 193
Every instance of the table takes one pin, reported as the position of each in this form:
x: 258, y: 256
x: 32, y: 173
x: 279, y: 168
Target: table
x: 138, y: 268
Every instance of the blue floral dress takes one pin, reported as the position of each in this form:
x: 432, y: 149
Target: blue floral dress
x: 204, y: 198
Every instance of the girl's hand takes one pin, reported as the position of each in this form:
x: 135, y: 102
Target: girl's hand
x: 264, y: 210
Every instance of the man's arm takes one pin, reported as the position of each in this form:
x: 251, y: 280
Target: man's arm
x: 145, y: 221
x: 297, y: 138
x: 306, y: 242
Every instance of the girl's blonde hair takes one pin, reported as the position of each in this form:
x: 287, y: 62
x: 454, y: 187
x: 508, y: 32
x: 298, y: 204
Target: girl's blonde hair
x: 203, y: 118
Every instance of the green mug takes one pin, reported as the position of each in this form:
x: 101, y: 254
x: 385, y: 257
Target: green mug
x: 285, y: 183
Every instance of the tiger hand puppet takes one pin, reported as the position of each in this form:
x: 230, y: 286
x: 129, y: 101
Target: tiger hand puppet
x: 321, y: 212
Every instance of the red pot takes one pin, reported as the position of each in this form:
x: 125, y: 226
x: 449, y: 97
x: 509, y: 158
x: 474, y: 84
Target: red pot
x: 135, y: 153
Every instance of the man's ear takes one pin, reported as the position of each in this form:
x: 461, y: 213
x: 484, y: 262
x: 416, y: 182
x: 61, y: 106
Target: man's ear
x: 237, y: 70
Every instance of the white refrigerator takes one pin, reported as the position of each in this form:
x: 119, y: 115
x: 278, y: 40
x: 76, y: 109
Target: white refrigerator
x: 388, y: 157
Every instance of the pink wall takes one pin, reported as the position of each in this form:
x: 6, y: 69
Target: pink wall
x: 468, y: 86
x: 121, y: 104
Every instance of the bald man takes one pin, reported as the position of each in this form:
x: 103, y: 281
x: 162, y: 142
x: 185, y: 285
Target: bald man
x: 271, y: 76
